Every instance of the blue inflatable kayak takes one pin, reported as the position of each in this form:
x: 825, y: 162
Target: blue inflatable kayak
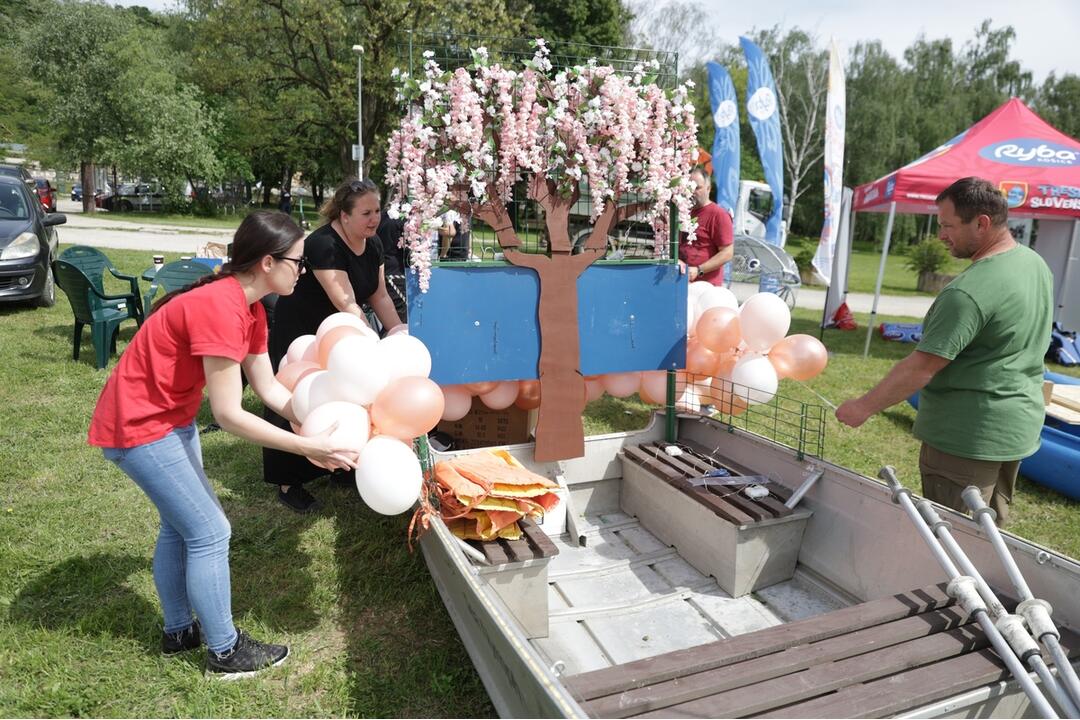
x: 1056, y: 464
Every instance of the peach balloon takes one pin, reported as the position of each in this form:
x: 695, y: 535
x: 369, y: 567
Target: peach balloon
x: 594, y: 388
x: 331, y: 338
x: 481, y: 388
x: 622, y: 384
x: 700, y: 360
x: 408, y: 407
x: 402, y: 329
x: 729, y: 404
x: 528, y: 395
x: 800, y: 357
x: 726, y: 364
x: 653, y: 390
x: 502, y: 397
x: 718, y: 329
x: 457, y: 401
x: 291, y: 374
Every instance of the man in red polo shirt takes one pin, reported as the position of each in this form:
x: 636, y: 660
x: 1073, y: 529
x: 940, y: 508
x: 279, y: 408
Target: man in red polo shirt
x: 713, y: 247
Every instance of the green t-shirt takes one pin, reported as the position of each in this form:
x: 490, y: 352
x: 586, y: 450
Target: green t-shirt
x: 993, y: 323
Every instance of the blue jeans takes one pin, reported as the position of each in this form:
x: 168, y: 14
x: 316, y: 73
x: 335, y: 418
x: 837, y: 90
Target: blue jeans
x: 191, y: 560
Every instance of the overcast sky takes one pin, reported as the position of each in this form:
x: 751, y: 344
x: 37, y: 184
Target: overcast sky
x: 1046, y: 31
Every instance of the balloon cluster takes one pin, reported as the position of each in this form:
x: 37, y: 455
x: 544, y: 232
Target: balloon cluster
x: 742, y: 347
x: 378, y: 394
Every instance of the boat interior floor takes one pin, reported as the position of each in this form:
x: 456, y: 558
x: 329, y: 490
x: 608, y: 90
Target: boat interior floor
x: 625, y: 595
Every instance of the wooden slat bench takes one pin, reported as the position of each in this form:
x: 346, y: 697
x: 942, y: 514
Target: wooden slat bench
x: 744, y: 543
x: 871, y: 660
x: 517, y: 571
x: 874, y: 659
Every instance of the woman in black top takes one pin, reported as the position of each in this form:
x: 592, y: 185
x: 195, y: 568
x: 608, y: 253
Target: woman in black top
x: 346, y: 260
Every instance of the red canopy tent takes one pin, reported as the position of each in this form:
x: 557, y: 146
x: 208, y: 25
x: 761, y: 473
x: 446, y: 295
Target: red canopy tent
x: 1035, y: 165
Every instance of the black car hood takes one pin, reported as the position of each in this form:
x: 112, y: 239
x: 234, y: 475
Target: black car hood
x: 11, y: 229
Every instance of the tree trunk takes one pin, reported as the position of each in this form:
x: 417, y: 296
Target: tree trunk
x: 560, y: 433
x: 86, y: 176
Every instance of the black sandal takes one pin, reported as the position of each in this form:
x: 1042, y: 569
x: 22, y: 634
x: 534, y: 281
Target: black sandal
x: 297, y: 499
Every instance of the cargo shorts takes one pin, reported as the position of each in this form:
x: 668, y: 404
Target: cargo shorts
x: 945, y: 476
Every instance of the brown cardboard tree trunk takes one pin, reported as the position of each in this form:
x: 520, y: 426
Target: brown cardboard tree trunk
x: 560, y: 433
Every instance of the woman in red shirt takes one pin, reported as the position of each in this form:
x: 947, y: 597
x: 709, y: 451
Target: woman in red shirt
x: 200, y: 337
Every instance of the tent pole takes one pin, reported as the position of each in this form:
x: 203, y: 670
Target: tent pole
x: 1066, y: 276
x: 880, y: 277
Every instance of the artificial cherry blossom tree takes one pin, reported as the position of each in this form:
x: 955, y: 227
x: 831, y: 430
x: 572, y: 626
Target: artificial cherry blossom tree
x: 471, y: 134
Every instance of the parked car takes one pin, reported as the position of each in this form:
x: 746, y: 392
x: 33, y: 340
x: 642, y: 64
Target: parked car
x: 28, y: 244
x: 131, y: 197
x: 46, y: 193
x: 18, y: 171
x: 76, y: 193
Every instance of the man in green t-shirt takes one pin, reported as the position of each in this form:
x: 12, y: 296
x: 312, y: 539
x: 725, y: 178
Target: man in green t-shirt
x: 979, y: 365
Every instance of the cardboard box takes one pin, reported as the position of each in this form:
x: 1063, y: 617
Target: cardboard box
x: 484, y: 427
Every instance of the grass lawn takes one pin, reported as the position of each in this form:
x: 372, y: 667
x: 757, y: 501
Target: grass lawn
x: 79, y: 620
x: 224, y: 222
x: 898, y: 280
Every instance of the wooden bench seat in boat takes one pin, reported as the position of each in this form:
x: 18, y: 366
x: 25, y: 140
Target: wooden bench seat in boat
x: 517, y: 571
x: 744, y: 543
x: 874, y: 659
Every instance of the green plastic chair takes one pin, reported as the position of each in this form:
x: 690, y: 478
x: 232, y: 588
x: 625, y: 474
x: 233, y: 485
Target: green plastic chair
x: 103, y: 313
x: 93, y: 264
x: 175, y: 276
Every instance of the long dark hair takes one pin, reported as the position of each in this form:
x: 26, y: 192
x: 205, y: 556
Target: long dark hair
x: 262, y: 233
x: 344, y: 198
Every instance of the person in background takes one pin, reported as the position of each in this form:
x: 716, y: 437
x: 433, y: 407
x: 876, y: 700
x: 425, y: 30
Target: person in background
x: 144, y: 421
x: 346, y: 260
x: 390, y: 232
x: 713, y: 247
x: 979, y: 366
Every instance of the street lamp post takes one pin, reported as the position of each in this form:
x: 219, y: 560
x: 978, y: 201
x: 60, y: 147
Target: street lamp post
x: 359, y: 153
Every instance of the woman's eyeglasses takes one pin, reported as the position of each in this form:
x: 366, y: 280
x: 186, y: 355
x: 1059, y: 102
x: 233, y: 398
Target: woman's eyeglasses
x: 301, y: 262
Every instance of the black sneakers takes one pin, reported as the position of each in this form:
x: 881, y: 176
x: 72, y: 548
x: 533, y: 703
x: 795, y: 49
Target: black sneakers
x: 246, y: 658
x: 174, y: 643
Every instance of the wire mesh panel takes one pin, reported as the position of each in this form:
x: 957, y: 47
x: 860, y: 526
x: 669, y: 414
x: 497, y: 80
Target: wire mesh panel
x: 789, y: 422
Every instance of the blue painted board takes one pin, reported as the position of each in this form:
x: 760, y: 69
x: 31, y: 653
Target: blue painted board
x: 480, y: 323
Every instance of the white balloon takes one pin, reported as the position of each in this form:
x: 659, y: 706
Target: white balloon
x: 716, y: 296
x: 698, y: 287
x: 301, y: 397
x: 688, y: 401
x: 405, y: 356
x: 353, y: 424
x: 754, y: 371
x: 388, y: 475
x: 359, y: 370
x: 502, y: 397
x: 458, y: 402
x: 283, y: 363
x: 764, y: 320
x: 402, y: 329
x: 323, y: 390
x: 344, y: 319
x: 299, y: 347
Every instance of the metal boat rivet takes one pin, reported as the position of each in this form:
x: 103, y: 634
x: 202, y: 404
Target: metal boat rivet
x: 1042, y: 557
